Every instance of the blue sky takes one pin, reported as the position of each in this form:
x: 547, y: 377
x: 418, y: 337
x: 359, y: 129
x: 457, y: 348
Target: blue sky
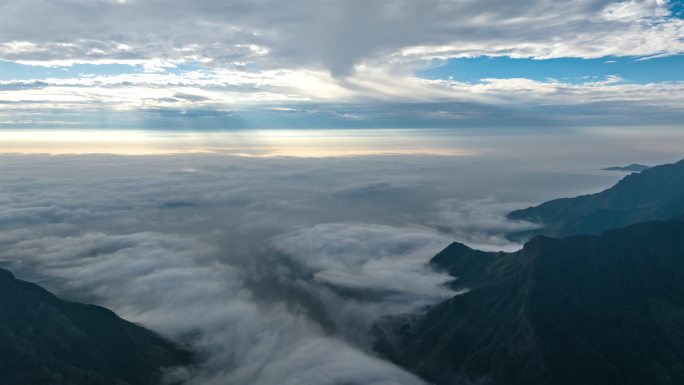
x: 572, y: 70
x: 17, y: 71
x: 677, y: 8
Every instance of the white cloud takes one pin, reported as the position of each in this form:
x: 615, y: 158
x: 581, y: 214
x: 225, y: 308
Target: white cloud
x: 155, y: 279
x: 370, y: 257
x: 272, y: 268
x: 246, y: 53
x: 333, y: 35
x: 230, y: 90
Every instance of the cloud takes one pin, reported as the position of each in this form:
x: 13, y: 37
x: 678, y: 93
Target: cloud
x: 309, y: 98
x: 480, y: 223
x: 368, y: 257
x: 336, y: 55
x: 266, y: 269
x: 336, y: 35
x: 166, y: 289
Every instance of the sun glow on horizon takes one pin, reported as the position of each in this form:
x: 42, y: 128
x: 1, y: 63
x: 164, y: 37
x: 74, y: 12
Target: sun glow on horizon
x: 250, y: 143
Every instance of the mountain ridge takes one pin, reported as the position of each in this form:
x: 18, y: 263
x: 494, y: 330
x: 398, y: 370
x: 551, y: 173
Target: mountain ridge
x: 634, y: 167
x: 653, y: 194
x: 46, y: 340
x: 606, y: 309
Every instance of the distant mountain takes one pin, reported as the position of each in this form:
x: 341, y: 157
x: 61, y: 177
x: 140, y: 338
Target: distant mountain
x: 653, y: 194
x: 591, y: 310
x: 634, y: 167
x: 45, y: 340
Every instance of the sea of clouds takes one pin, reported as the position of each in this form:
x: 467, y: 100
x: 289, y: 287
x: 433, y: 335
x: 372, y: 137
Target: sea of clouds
x: 272, y: 269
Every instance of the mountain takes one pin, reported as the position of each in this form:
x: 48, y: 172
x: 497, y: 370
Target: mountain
x: 653, y: 194
x: 603, y: 310
x: 634, y: 167
x: 46, y: 340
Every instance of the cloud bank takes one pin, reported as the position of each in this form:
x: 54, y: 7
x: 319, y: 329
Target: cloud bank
x: 336, y: 35
x: 273, y: 269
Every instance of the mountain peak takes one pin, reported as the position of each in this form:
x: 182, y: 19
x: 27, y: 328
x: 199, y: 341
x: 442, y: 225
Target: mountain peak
x: 582, y: 309
x: 455, y: 250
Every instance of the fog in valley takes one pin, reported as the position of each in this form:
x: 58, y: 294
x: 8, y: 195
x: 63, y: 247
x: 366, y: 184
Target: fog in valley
x: 274, y: 268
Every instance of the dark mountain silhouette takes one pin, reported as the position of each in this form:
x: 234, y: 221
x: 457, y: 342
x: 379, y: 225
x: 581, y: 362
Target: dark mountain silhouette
x: 45, y: 340
x: 591, y: 310
x: 653, y: 194
x: 634, y: 167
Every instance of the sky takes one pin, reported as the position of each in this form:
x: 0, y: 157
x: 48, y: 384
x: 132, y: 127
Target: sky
x: 312, y: 64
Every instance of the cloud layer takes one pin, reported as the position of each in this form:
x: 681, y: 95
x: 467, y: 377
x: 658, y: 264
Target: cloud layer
x: 219, y: 99
x: 336, y: 35
x: 273, y: 269
x: 244, y: 64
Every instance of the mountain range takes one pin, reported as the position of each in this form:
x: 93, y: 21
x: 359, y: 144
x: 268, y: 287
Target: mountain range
x: 45, y: 340
x: 605, y: 307
x: 634, y: 167
x: 653, y: 194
